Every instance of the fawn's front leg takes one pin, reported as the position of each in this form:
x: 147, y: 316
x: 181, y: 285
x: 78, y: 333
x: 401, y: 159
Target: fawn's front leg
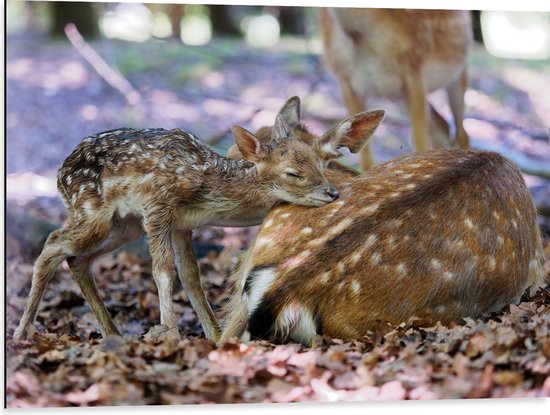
x: 188, y: 272
x: 158, y: 228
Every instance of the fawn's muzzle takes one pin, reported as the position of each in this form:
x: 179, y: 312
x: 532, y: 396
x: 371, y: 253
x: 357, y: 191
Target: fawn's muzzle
x: 332, y: 193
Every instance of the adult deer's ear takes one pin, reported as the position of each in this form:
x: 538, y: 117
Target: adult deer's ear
x: 248, y: 144
x: 352, y: 133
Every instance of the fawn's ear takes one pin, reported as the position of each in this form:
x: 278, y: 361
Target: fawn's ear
x: 248, y: 144
x: 352, y: 133
x: 287, y: 119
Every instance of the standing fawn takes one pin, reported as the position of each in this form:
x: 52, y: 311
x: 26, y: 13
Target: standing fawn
x: 432, y: 236
x: 119, y: 184
x: 401, y: 54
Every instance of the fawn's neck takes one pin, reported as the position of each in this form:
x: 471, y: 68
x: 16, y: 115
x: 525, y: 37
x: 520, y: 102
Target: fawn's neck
x: 236, y: 194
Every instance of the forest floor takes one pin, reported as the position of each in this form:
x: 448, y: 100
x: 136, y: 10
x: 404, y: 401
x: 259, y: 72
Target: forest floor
x: 54, y: 99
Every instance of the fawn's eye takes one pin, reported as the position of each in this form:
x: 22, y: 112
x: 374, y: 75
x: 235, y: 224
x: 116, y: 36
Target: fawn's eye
x: 293, y: 175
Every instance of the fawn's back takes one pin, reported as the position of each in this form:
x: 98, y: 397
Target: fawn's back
x: 433, y: 236
x: 119, y: 170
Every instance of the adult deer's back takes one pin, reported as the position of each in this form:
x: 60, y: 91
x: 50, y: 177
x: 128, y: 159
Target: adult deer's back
x: 433, y: 236
x: 401, y: 54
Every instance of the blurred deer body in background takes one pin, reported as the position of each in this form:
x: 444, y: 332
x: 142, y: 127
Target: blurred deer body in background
x: 401, y: 54
x: 121, y: 183
x: 433, y: 236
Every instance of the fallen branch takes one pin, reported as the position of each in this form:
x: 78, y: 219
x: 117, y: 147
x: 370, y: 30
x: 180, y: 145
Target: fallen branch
x: 113, y: 78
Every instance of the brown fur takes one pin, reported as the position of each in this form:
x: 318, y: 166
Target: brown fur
x: 433, y: 236
x: 401, y: 54
x: 119, y: 184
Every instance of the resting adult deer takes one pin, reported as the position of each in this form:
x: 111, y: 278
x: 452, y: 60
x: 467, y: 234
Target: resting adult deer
x: 121, y: 183
x: 434, y: 236
x: 401, y: 54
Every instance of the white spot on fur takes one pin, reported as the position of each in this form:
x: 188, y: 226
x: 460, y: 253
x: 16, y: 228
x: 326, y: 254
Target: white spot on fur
x: 262, y: 241
x: 395, y: 194
x: 410, y: 186
x: 458, y: 243
x: 356, y: 286
x: 401, y: 269
x: 370, y: 241
x: 496, y: 215
x: 341, y: 266
x: 297, y: 260
x: 396, y: 223
x: 469, y: 224
x: 268, y: 223
x: 260, y: 285
x: 426, y: 176
x: 285, y: 215
x: 356, y: 257
x: 307, y: 230
x: 491, y: 263
x: 335, y: 230
x: 370, y: 209
x: 324, y: 277
x: 514, y: 224
x: 447, y: 275
x: 376, y: 258
x: 500, y: 240
x: 436, y: 265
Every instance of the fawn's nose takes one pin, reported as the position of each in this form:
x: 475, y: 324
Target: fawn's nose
x: 332, y: 193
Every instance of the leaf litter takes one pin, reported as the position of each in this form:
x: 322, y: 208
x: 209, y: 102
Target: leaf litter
x: 67, y: 363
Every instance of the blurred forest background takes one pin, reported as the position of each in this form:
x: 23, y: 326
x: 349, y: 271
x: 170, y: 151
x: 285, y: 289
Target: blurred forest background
x: 204, y: 68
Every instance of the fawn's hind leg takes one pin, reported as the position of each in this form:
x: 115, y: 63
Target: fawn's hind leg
x: 188, y: 272
x: 80, y: 266
x: 56, y: 249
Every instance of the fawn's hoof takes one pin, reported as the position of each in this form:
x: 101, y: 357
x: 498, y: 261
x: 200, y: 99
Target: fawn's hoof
x: 162, y: 332
x: 24, y: 333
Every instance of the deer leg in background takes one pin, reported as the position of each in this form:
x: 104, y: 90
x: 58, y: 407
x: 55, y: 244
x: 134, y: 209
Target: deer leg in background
x: 418, y: 110
x: 456, y: 93
x: 80, y: 267
x: 56, y: 249
x: 158, y: 228
x: 355, y: 104
x: 439, y: 129
x: 188, y: 272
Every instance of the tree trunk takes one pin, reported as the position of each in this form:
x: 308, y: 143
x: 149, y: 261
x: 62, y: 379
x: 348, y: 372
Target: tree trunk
x: 222, y: 20
x: 83, y: 15
x: 292, y: 20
